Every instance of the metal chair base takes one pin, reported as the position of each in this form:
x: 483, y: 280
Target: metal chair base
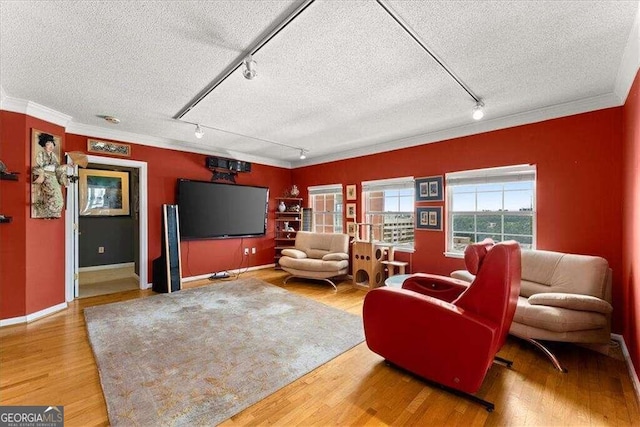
x: 310, y: 278
x: 472, y: 397
x: 550, y: 355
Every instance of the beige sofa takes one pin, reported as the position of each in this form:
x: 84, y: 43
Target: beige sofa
x: 564, y: 297
x: 319, y: 256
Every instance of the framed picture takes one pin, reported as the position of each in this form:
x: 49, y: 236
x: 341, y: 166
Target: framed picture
x: 429, y: 218
x: 104, y: 193
x: 48, y: 176
x: 106, y: 147
x: 352, y: 228
x: 351, y: 210
x: 351, y: 192
x: 429, y: 189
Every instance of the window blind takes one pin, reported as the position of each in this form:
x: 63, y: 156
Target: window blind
x: 492, y: 175
x: 388, y: 184
x: 325, y: 189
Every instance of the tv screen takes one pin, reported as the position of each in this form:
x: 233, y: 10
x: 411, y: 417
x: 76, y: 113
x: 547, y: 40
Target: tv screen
x: 211, y: 210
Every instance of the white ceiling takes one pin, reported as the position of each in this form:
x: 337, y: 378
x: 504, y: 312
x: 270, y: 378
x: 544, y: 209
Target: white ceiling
x: 342, y: 79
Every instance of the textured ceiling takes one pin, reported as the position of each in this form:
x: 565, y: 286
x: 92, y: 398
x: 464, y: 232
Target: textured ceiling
x: 343, y: 78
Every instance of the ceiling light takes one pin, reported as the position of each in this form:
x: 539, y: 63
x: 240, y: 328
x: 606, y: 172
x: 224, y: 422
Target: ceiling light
x: 478, y: 111
x: 111, y: 119
x: 249, y: 71
x: 302, y: 155
x: 199, y: 132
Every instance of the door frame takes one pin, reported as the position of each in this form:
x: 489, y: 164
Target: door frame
x: 71, y: 230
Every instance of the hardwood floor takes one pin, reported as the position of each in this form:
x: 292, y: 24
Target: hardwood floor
x: 50, y: 362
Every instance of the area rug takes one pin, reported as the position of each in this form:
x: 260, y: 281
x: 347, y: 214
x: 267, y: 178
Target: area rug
x: 201, y: 355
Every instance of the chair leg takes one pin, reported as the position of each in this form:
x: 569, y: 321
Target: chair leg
x: 508, y: 363
x: 472, y: 397
x: 549, y: 354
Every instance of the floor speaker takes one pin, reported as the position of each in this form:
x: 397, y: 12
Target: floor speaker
x: 167, y: 269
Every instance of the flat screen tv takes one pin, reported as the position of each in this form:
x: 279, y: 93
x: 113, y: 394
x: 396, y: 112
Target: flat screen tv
x: 211, y: 210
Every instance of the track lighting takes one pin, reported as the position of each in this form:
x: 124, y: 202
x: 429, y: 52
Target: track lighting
x: 478, y: 111
x: 249, y: 71
x: 199, y: 132
x: 302, y: 155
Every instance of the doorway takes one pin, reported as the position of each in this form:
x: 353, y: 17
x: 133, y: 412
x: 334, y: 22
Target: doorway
x: 72, y: 240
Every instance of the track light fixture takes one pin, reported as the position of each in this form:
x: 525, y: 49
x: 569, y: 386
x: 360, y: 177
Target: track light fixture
x: 302, y: 155
x: 478, y: 111
x: 199, y: 132
x: 249, y: 71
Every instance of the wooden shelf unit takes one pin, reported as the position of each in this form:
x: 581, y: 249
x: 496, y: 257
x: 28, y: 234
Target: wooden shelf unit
x: 285, y: 239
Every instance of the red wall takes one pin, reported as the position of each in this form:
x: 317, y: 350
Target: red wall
x: 32, y: 269
x: 579, y: 190
x: 631, y: 222
x: 202, y: 256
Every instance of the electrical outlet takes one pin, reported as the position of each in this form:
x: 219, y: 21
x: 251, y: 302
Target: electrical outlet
x: 246, y: 251
x: 253, y: 250
x: 100, y: 249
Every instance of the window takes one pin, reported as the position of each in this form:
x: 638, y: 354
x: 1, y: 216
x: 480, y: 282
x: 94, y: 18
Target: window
x: 498, y: 203
x: 326, y: 205
x: 389, y: 208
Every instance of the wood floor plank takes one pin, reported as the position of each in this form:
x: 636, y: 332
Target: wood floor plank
x: 50, y: 361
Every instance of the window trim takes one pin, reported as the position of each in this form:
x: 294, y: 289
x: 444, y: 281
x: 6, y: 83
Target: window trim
x: 406, y: 182
x: 324, y: 190
x: 503, y: 174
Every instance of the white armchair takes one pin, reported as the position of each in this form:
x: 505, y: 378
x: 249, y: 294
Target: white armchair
x: 319, y: 256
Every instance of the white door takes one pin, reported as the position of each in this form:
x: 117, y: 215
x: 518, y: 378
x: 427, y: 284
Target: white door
x: 72, y: 232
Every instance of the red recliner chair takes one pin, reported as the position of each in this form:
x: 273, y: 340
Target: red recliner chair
x: 445, y: 330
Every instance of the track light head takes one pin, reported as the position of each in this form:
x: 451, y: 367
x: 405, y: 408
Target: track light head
x: 478, y: 111
x: 199, y: 132
x: 249, y: 71
x: 302, y: 155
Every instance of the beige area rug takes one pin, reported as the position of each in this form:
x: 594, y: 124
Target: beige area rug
x: 199, y: 356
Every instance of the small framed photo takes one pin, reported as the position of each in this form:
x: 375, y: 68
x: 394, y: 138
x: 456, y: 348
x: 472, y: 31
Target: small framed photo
x: 429, y: 218
x: 351, y: 210
x: 352, y: 228
x: 429, y: 189
x: 106, y: 147
x: 351, y: 192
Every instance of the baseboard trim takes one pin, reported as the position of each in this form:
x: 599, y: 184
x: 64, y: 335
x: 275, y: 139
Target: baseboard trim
x: 105, y: 267
x: 236, y: 271
x: 33, y: 316
x: 627, y: 357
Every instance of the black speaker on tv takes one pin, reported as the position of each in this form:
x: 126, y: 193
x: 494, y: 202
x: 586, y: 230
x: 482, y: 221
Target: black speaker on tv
x: 216, y: 163
x: 229, y: 164
x: 167, y: 269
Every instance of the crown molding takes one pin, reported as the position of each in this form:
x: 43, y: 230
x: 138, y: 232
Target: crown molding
x: 547, y: 113
x: 33, y: 109
x: 630, y: 62
x: 167, y: 143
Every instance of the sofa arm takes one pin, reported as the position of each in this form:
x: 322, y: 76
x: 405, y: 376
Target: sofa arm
x: 572, y: 302
x: 335, y: 256
x: 293, y: 253
x: 441, y: 287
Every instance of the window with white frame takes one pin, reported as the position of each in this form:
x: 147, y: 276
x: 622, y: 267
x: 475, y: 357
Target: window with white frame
x: 389, y: 209
x: 326, y: 204
x: 498, y: 203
